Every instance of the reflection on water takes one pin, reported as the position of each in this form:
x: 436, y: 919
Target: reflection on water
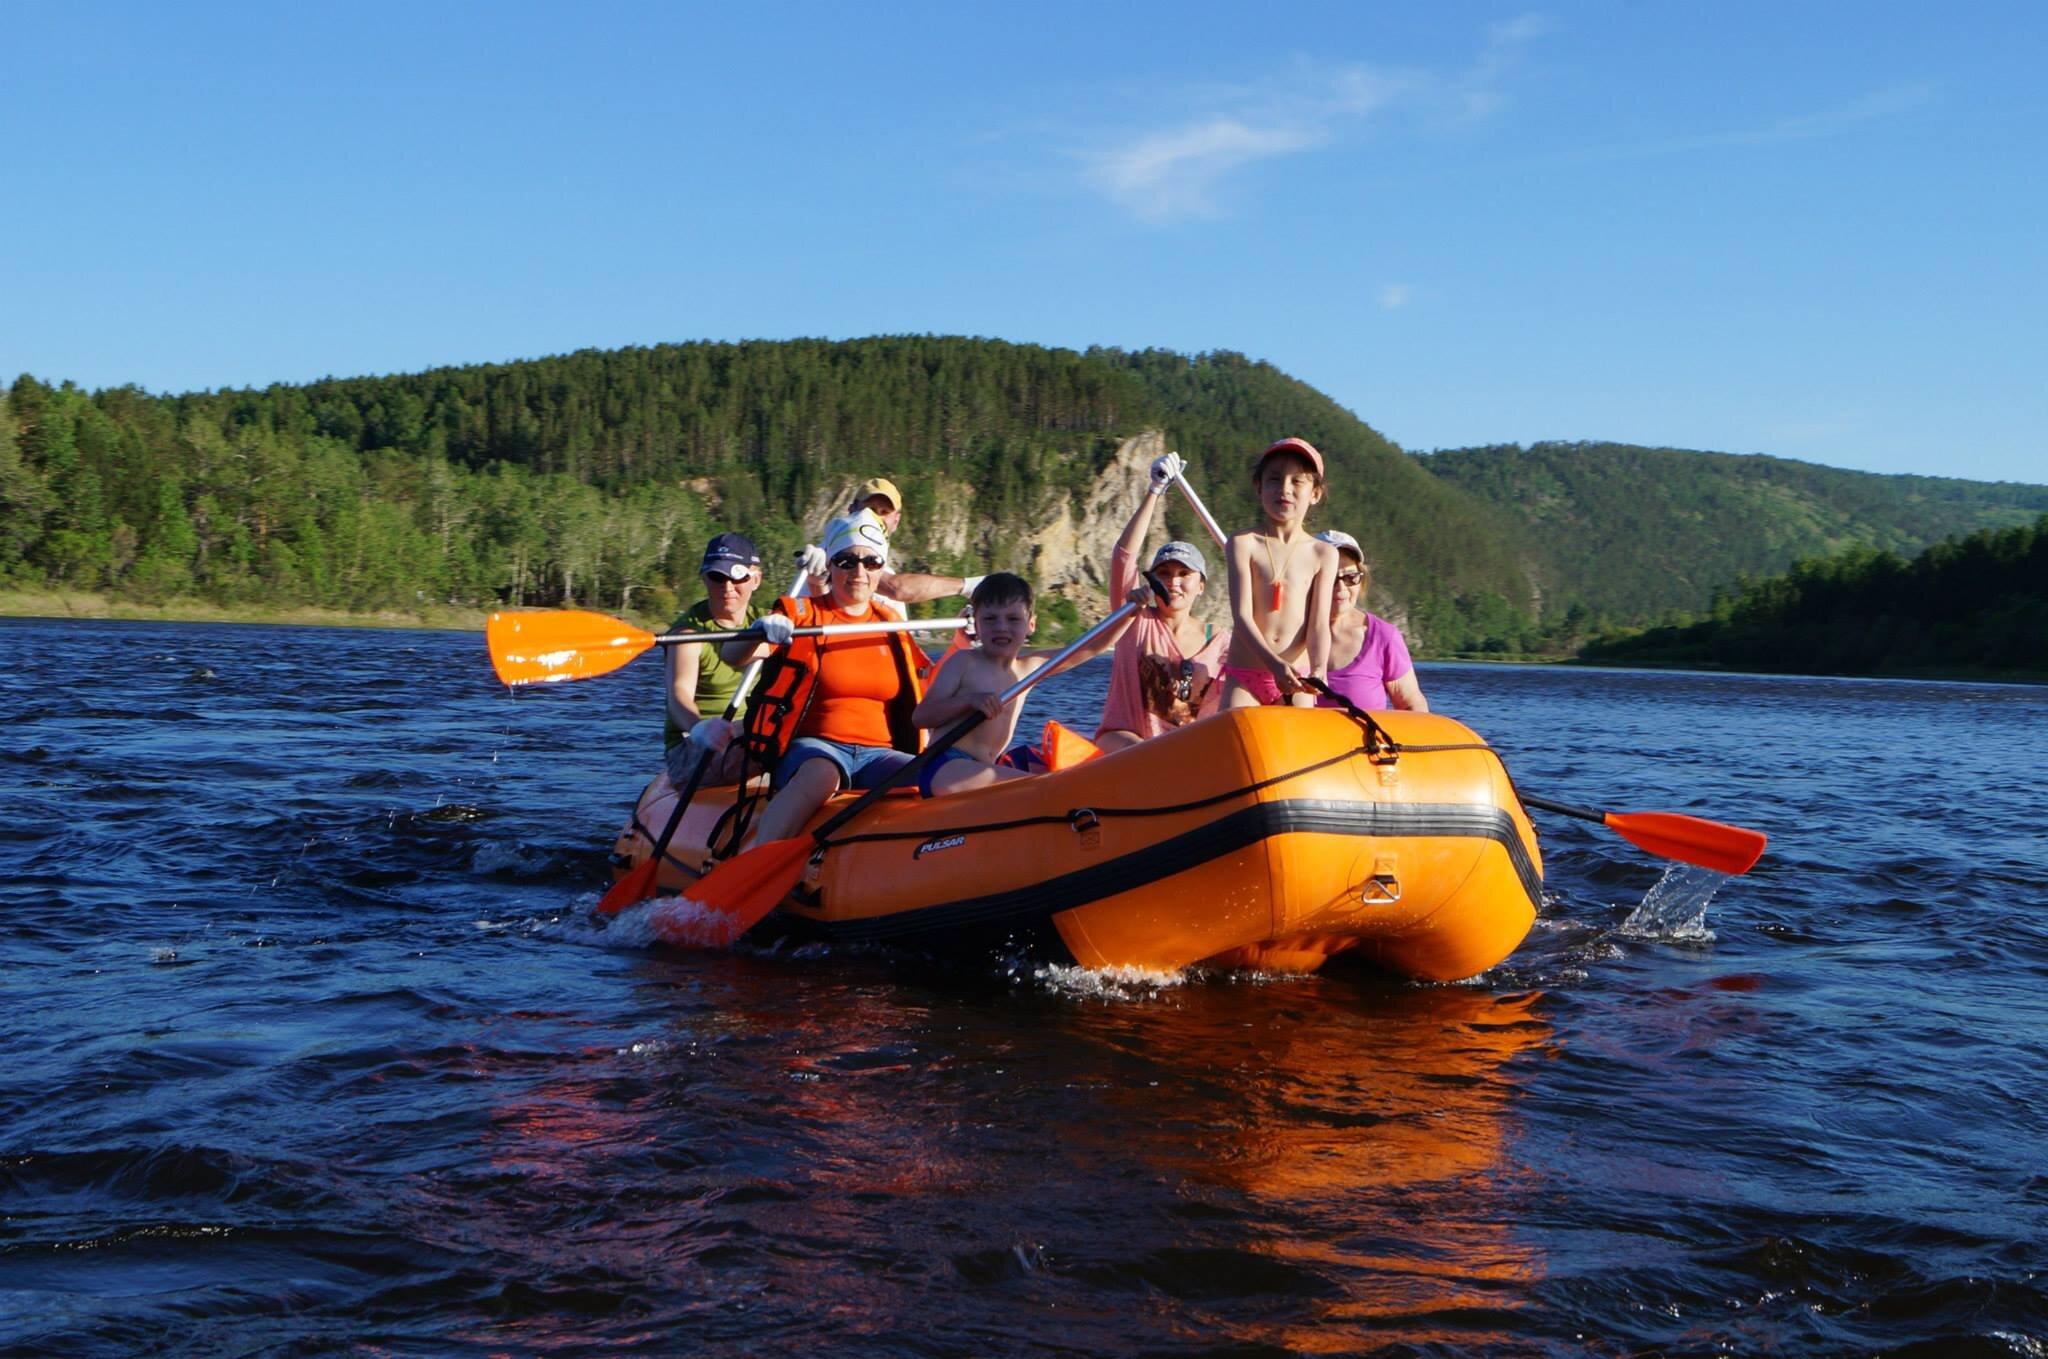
x: 1372, y: 1144
x: 1347, y: 1164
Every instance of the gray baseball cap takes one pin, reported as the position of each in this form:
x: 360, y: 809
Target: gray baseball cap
x: 1187, y: 554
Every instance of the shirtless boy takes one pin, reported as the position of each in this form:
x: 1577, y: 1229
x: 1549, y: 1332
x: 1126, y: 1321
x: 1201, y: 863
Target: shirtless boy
x: 973, y: 680
x: 1281, y: 577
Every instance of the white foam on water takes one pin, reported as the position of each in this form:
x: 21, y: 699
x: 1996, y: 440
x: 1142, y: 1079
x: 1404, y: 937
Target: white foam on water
x: 1107, y: 983
x: 1675, y: 907
x: 676, y: 921
x: 649, y: 1047
x: 498, y: 857
x: 574, y: 923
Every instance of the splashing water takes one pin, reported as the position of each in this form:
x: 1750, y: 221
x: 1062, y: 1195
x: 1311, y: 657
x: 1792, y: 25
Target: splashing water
x: 1675, y: 907
x: 1106, y: 983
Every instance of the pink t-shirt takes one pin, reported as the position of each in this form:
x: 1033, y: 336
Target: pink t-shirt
x: 1153, y: 688
x: 1383, y: 657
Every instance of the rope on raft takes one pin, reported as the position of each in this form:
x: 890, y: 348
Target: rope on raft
x: 1386, y: 747
x: 1378, y: 746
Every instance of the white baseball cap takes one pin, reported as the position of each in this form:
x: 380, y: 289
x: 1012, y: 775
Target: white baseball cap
x: 861, y: 529
x: 1343, y: 542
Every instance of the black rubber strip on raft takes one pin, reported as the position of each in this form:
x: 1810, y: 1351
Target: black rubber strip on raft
x: 1245, y: 827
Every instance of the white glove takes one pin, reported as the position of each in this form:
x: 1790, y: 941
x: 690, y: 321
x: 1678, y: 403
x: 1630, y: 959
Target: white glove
x: 967, y: 586
x: 777, y: 629
x: 711, y: 735
x: 1165, y: 468
x: 811, y: 558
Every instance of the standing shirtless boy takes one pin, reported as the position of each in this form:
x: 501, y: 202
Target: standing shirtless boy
x: 1281, y: 577
x: 974, y: 678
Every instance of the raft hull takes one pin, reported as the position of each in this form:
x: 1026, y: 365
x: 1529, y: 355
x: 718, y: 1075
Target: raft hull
x: 1264, y: 838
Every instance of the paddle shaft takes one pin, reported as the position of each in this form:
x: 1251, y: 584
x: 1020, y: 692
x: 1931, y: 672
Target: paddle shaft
x: 1201, y: 510
x: 824, y: 630
x: 1597, y: 817
x: 967, y: 724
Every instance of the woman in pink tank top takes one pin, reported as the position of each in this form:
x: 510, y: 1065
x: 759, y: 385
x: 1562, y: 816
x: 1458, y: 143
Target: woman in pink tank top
x: 1369, y: 661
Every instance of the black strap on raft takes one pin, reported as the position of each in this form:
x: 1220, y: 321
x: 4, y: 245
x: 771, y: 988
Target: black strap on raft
x: 1380, y: 748
x: 1372, y: 727
x: 1082, y: 818
x: 1086, y: 818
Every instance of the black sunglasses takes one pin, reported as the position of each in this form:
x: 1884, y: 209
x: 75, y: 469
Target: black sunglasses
x: 1350, y: 577
x: 846, y: 561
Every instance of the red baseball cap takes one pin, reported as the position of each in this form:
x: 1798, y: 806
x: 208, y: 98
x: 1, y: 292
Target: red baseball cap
x: 1301, y: 448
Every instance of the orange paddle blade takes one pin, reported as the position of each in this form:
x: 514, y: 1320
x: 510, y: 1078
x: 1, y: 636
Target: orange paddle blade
x: 635, y: 887
x: 539, y: 646
x: 1064, y: 748
x: 739, y: 893
x: 1690, y: 839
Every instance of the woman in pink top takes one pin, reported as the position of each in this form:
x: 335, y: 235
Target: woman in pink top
x: 1167, y: 664
x: 1368, y: 659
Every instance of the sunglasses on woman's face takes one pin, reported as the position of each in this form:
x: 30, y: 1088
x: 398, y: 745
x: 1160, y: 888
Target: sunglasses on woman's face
x: 847, y: 561
x: 1350, y: 577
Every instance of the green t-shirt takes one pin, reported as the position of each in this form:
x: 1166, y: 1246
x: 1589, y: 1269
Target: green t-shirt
x: 717, y: 682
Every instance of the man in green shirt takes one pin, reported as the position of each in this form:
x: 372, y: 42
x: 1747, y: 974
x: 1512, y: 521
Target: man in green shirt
x: 700, y: 683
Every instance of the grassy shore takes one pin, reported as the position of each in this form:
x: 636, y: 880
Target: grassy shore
x: 84, y: 604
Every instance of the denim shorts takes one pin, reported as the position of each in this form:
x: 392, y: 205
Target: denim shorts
x: 860, y: 767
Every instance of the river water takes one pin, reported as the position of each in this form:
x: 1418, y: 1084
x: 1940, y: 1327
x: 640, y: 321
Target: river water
x: 310, y: 1048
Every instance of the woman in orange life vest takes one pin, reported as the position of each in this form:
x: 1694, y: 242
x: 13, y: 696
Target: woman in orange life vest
x: 834, y: 711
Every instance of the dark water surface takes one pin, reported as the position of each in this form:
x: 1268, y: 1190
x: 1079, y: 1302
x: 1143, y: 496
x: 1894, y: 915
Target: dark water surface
x: 309, y: 1048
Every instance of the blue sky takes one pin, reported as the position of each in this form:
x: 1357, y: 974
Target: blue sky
x: 1815, y: 230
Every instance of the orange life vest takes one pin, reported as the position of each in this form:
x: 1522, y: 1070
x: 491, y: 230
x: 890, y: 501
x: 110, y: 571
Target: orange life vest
x: 789, y: 685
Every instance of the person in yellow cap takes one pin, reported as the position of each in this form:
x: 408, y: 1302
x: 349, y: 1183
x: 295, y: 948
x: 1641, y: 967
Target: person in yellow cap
x: 879, y: 496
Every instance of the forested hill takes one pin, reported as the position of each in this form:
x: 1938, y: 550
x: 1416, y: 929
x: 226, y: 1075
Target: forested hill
x: 1634, y: 532
x: 1974, y: 605
x: 594, y: 477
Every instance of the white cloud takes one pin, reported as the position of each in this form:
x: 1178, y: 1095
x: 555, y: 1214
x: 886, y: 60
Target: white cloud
x: 1890, y: 102
x: 1481, y: 90
x: 1523, y: 28
x: 1173, y: 174
x: 1395, y: 295
x: 1184, y: 171
x: 1885, y: 103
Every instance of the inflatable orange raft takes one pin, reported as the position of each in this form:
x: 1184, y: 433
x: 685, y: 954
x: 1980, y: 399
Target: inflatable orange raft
x: 1268, y: 838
